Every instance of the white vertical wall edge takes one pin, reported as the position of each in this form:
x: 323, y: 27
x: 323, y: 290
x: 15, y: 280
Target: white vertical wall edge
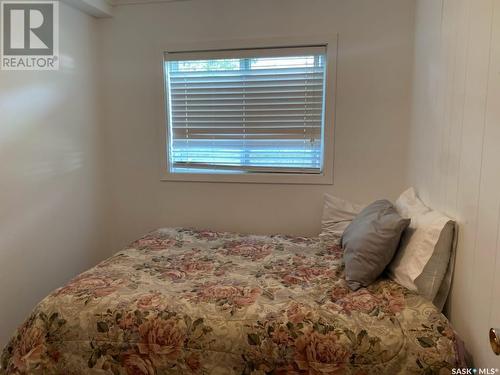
x: 454, y: 143
x: 95, y: 8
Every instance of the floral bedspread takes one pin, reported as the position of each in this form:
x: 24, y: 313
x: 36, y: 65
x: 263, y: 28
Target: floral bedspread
x: 179, y: 301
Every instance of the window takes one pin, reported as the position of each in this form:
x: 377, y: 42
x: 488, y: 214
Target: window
x: 246, y: 112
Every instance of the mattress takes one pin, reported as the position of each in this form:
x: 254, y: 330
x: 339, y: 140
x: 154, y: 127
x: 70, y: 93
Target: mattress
x: 180, y: 301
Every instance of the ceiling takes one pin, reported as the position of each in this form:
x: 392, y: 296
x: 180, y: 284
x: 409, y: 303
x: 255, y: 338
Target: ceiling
x: 128, y: 2
x: 104, y: 8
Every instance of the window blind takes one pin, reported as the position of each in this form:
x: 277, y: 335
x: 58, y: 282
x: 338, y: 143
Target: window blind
x: 248, y: 111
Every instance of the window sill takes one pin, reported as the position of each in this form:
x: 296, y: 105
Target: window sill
x: 255, y: 178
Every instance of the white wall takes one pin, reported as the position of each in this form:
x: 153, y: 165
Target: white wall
x: 50, y: 227
x: 374, y: 77
x: 455, y: 150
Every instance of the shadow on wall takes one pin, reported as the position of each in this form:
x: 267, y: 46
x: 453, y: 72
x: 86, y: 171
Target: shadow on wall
x: 49, y: 197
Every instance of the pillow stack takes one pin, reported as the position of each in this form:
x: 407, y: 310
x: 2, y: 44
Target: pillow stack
x: 413, y: 243
x: 370, y: 242
x: 423, y: 261
x: 337, y: 215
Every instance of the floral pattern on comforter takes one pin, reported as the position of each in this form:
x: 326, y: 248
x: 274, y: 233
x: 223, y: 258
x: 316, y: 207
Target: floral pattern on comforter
x: 180, y: 301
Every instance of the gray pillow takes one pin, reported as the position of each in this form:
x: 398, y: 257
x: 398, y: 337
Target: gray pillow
x: 370, y: 242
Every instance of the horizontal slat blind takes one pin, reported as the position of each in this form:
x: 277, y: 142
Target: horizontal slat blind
x: 253, y: 114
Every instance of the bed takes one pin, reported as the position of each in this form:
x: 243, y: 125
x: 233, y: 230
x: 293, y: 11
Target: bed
x: 180, y: 301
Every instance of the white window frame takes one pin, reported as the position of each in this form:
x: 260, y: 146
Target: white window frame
x: 323, y: 178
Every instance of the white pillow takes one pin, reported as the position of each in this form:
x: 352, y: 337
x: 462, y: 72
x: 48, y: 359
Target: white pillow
x: 422, y: 261
x: 337, y: 215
